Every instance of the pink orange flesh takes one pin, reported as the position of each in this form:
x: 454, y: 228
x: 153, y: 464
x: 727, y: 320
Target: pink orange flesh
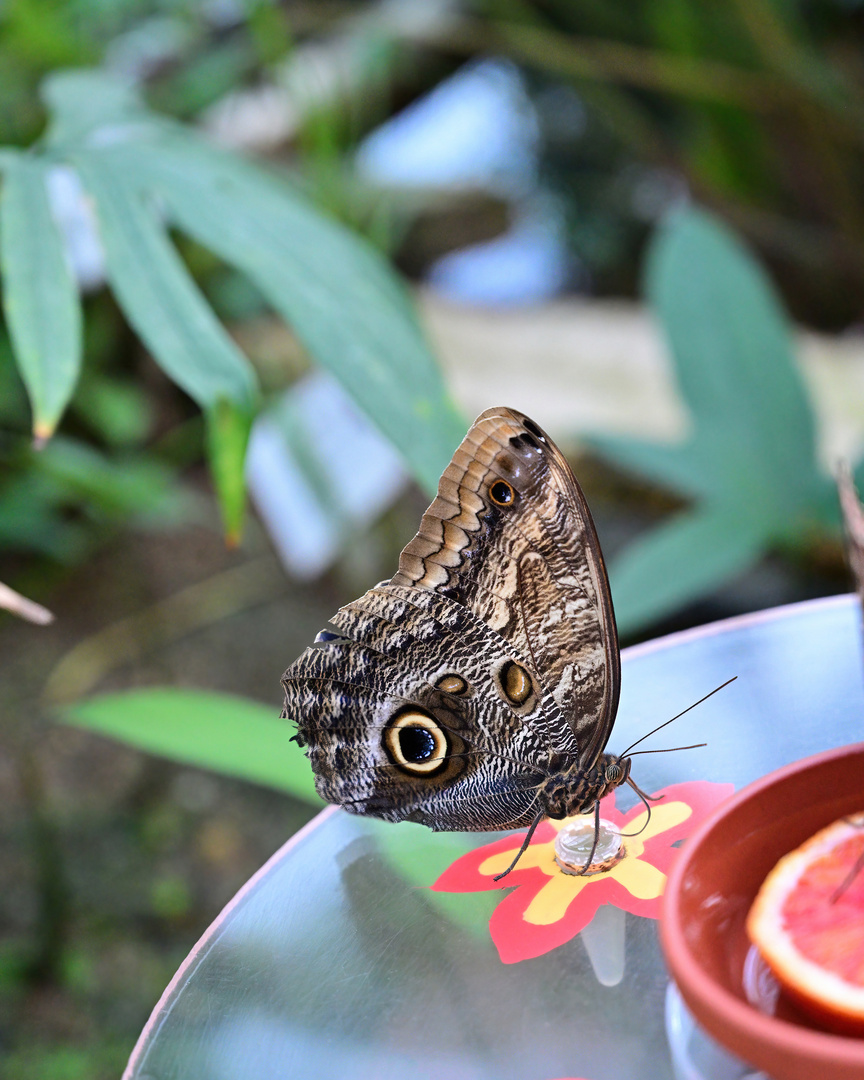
x: 808, y: 923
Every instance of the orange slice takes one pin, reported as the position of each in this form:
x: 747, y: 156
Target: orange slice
x: 808, y: 923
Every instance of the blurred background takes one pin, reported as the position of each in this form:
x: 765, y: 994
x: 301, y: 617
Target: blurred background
x: 305, y: 244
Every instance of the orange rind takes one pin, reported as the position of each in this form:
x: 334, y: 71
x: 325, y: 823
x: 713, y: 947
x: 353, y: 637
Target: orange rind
x: 807, y: 921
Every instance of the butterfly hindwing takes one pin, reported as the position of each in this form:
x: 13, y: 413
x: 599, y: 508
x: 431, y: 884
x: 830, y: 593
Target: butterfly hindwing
x: 405, y: 656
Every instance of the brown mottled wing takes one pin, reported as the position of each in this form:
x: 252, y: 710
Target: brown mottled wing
x: 486, y: 583
x: 533, y: 570
x: 393, y: 645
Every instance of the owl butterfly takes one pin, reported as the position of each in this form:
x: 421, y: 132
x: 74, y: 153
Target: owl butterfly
x: 477, y: 688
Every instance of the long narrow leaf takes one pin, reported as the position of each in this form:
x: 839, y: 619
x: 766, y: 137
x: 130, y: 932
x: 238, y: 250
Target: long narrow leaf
x: 337, y: 293
x: 158, y: 295
x: 40, y: 298
x: 227, y: 734
x: 228, y: 430
x: 733, y: 354
x: 681, y: 560
x: 671, y: 466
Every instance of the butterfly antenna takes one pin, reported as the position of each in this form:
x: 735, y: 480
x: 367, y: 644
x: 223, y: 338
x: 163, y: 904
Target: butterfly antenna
x: 669, y: 749
x: 525, y: 844
x: 677, y: 716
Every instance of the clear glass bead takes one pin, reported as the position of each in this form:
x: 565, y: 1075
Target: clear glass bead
x: 575, y: 840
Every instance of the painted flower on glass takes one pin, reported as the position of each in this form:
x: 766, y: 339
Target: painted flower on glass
x: 548, y: 907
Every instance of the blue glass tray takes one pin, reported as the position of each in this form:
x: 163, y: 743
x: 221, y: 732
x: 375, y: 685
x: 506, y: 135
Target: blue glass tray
x: 335, y: 960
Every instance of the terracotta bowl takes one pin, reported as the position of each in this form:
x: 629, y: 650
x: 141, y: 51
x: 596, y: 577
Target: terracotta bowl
x: 709, y: 893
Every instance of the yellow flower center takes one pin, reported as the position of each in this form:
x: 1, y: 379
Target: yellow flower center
x: 638, y: 877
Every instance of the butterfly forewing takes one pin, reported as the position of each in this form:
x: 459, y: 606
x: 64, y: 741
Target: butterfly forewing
x: 532, y: 567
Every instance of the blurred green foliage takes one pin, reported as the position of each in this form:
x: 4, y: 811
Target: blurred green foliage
x: 191, y: 53
x: 344, y: 304
x: 340, y: 297
x: 749, y: 467
x: 755, y: 108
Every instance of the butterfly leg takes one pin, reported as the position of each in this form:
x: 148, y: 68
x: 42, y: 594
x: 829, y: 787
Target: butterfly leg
x: 525, y: 844
x: 590, y: 858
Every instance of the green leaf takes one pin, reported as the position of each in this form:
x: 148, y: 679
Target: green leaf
x: 731, y: 343
x: 81, y: 102
x: 230, y: 735
x: 668, y: 465
x: 686, y: 557
x: 227, y: 438
x: 340, y: 297
x: 158, y: 295
x: 40, y: 297
x: 751, y: 461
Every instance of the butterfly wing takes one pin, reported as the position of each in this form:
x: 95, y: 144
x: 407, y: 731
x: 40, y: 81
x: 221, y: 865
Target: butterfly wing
x: 407, y: 665
x: 530, y: 567
x: 447, y: 694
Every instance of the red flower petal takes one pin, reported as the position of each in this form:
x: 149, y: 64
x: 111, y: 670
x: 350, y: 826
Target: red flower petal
x: 464, y: 874
x: 517, y: 939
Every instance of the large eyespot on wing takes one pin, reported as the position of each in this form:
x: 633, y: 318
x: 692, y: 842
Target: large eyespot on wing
x: 372, y: 751
x: 416, y: 743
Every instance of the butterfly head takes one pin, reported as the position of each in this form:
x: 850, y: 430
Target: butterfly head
x: 616, y: 770
x: 577, y: 790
